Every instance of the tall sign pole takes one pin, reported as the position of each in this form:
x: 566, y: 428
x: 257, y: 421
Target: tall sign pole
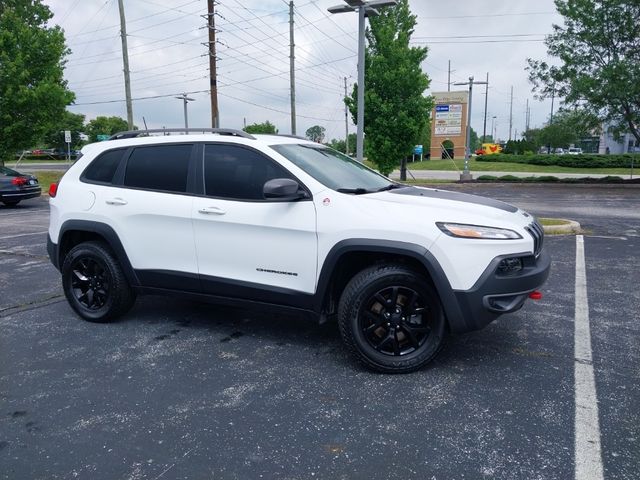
x: 125, y: 62
x: 346, y: 121
x: 486, y: 101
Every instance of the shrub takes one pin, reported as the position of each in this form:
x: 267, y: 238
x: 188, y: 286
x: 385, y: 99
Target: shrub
x: 572, y: 161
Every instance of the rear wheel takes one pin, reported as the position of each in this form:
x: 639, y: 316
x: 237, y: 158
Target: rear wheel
x: 94, y: 283
x: 391, y: 319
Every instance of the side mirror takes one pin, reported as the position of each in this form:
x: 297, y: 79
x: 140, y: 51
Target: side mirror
x: 283, y: 189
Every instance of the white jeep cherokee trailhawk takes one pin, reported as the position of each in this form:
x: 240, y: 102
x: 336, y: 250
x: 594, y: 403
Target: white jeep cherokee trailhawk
x: 283, y: 222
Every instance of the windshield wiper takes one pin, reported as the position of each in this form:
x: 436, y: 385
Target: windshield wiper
x: 391, y: 186
x: 355, y: 191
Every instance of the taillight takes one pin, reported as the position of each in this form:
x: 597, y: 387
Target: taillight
x: 20, y: 181
x: 53, y: 190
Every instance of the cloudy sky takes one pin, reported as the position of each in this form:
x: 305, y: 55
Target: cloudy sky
x: 167, y: 57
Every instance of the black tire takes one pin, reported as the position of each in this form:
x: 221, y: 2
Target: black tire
x: 387, y: 334
x: 94, y: 283
x: 11, y: 203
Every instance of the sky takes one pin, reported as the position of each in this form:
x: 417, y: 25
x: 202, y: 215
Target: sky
x: 167, y: 57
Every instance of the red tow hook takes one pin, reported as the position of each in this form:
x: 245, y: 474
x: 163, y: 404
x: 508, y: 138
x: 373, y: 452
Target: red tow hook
x: 535, y: 295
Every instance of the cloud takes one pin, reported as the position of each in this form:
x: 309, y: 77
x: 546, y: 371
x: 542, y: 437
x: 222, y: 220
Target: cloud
x: 168, y: 55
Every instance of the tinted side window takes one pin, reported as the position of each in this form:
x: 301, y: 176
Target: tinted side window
x: 103, y: 168
x: 162, y: 167
x: 239, y: 173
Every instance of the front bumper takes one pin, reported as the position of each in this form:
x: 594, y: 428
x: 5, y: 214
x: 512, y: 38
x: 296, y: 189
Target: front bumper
x: 495, y: 293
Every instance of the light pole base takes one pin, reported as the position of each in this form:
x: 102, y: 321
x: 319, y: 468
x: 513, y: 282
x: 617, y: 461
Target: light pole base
x: 466, y: 177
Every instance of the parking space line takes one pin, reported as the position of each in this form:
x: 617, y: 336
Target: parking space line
x: 588, y: 452
x: 22, y: 235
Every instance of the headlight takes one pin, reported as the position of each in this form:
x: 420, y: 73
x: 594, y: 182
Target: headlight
x: 476, y: 231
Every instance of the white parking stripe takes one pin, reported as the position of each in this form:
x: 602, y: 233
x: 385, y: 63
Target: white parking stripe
x: 23, y: 235
x: 588, y: 453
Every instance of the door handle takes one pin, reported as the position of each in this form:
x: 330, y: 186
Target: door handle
x: 116, y: 201
x: 212, y: 210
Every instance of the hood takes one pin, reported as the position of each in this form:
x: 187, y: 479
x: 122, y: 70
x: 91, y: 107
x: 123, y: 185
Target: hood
x: 448, y: 206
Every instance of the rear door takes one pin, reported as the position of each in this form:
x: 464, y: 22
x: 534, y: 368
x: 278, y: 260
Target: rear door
x: 148, y: 205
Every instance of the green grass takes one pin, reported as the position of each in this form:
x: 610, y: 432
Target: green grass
x: 46, y: 178
x: 450, y: 165
x: 552, y: 221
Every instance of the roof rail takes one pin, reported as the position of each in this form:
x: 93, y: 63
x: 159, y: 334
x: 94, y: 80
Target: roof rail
x: 289, y: 136
x: 167, y: 131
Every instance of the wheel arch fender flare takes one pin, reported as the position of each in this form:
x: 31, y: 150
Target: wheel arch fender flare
x: 388, y: 247
x: 105, y: 233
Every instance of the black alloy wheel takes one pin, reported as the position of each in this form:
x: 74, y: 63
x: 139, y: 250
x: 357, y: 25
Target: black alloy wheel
x: 90, y: 282
x: 391, y: 318
x: 393, y: 321
x: 94, y: 283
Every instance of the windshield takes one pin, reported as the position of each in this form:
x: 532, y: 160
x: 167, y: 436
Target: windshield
x: 8, y: 172
x: 334, y: 169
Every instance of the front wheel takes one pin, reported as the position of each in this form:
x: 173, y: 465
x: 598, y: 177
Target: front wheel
x: 391, y: 319
x: 94, y: 283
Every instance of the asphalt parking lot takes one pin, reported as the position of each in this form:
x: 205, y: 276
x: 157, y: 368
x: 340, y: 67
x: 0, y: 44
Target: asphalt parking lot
x: 187, y: 390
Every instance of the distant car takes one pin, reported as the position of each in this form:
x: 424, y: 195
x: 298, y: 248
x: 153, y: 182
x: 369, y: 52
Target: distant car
x: 559, y: 151
x: 574, y: 151
x: 15, y: 186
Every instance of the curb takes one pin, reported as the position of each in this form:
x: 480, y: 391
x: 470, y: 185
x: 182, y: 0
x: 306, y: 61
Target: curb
x: 571, y: 227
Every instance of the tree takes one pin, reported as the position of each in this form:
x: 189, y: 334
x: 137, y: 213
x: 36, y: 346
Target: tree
x: 106, y: 126
x: 395, y: 109
x: 315, y: 133
x: 598, y: 61
x: 74, y: 122
x: 338, y: 145
x: 474, y: 141
x: 266, y: 127
x: 33, y: 92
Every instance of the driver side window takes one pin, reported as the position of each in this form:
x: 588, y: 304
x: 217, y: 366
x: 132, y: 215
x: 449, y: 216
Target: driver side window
x: 238, y: 173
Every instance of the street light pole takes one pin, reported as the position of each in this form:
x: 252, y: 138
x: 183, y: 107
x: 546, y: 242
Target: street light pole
x: 364, y: 9
x: 465, y: 176
x: 185, y: 99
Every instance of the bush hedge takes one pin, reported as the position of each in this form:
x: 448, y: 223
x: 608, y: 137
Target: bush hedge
x: 573, y: 161
x: 552, y: 179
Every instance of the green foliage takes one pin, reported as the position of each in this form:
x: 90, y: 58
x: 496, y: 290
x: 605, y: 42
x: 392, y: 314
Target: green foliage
x: 266, y: 127
x: 396, y: 112
x: 33, y: 92
x: 474, y: 141
x: 106, y: 126
x: 74, y: 122
x: 552, y: 179
x: 597, y: 63
x: 519, y: 147
x: 315, y: 133
x: 572, y: 161
x: 338, y: 145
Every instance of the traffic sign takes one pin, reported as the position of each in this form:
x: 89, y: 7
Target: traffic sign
x: 417, y: 150
x: 67, y: 136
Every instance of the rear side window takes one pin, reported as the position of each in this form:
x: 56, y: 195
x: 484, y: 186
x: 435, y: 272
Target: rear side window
x: 162, y: 167
x: 104, y: 167
x: 238, y: 173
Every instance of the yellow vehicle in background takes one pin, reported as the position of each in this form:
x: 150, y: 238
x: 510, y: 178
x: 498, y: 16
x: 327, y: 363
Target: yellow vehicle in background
x: 489, y: 149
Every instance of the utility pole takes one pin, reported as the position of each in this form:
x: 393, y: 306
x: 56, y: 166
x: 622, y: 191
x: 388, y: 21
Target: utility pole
x: 346, y: 121
x: 526, y: 117
x: 466, y: 174
x: 213, y: 72
x: 486, y: 100
x: 292, y: 71
x: 449, y: 77
x: 125, y: 62
x: 511, y: 113
x: 185, y: 99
